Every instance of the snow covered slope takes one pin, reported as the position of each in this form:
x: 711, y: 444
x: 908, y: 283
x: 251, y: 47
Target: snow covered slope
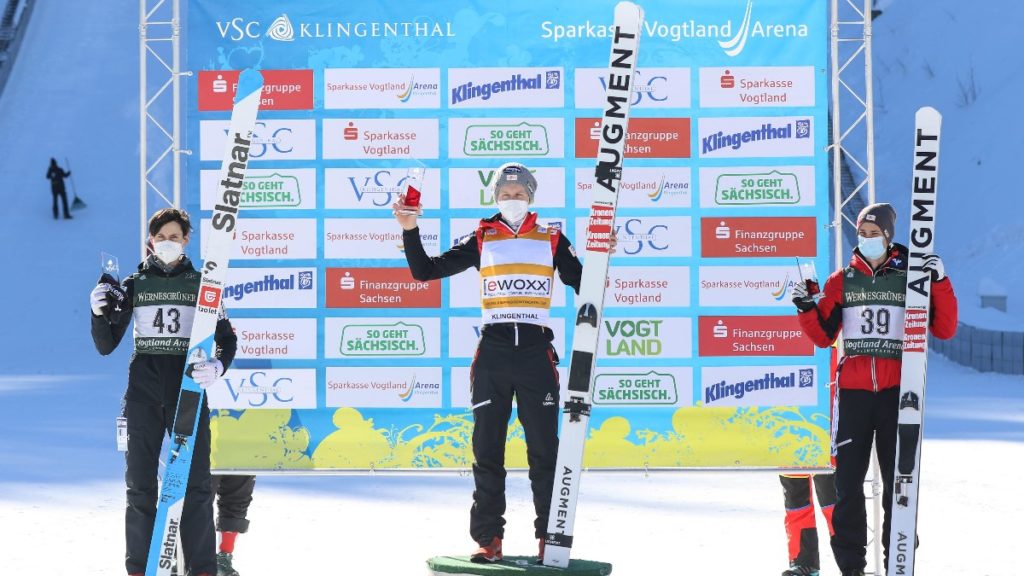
x: 963, y: 58
x: 73, y: 93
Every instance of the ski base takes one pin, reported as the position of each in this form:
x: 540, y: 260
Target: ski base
x: 511, y: 565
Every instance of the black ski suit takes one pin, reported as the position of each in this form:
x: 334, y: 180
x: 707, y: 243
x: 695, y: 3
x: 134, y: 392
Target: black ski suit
x: 234, y: 494
x: 150, y: 401
x: 512, y: 359
x: 56, y: 177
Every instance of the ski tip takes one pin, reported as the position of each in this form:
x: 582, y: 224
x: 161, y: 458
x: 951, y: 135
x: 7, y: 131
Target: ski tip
x: 249, y: 81
x: 928, y: 111
x: 629, y: 7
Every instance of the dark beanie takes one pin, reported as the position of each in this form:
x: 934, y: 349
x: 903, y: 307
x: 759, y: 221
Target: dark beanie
x: 881, y: 214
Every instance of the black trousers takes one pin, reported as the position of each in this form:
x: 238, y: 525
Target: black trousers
x: 234, y: 494
x: 863, y: 415
x: 64, y: 200
x: 501, y: 370
x: 148, y: 425
x: 801, y: 528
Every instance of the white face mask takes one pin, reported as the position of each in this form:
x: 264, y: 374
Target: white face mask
x: 168, y: 250
x: 871, y: 248
x: 513, y: 211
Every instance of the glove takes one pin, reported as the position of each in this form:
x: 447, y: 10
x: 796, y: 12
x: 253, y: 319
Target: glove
x: 933, y: 264
x: 207, y: 372
x: 106, y: 299
x: 98, y: 299
x: 801, y: 299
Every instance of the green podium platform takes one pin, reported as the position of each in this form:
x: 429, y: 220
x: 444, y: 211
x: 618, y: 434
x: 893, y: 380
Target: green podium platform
x: 513, y: 565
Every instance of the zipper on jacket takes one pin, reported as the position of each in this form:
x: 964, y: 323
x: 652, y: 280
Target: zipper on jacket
x: 874, y: 377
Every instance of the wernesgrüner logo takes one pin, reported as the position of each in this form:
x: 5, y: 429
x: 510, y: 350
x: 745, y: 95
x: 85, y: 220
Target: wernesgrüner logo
x: 650, y: 389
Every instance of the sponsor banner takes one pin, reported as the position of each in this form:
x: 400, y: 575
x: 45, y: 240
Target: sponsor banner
x: 276, y: 189
x: 755, y: 137
x: 650, y: 236
x: 270, y: 238
x: 759, y: 386
x: 747, y: 286
x: 272, y: 140
x: 647, y: 138
x: 474, y: 188
x: 506, y: 88
x: 641, y: 187
x: 743, y: 237
x: 462, y: 395
x: 376, y: 88
x: 646, y: 387
x: 372, y: 238
x: 358, y: 387
x: 752, y: 336
x: 915, y: 334
x: 282, y: 90
x: 757, y: 86
x: 464, y: 288
x: 384, y: 337
x: 652, y: 88
x: 644, y: 337
x: 757, y: 186
x: 380, y: 288
x: 656, y: 286
x: 275, y: 338
x: 464, y: 334
x: 270, y: 288
x: 243, y: 389
x: 368, y: 139
x: 506, y: 138
x: 376, y: 187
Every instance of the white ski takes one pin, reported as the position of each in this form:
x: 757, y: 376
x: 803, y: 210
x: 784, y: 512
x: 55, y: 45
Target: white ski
x: 607, y: 177
x: 167, y: 526
x: 902, y: 538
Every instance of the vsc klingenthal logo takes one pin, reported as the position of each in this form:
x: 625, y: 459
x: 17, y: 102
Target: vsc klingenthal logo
x: 236, y: 29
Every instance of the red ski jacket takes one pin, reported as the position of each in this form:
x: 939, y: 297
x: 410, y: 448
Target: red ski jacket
x: 824, y: 323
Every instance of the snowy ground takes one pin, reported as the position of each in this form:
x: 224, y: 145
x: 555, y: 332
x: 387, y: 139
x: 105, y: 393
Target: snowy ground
x: 61, y: 473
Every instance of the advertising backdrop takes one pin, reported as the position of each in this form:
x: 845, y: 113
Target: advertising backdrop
x: 347, y: 362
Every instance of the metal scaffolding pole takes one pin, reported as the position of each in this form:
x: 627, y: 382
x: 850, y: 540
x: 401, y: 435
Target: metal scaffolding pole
x: 159, y: 108
x: 853, y: 155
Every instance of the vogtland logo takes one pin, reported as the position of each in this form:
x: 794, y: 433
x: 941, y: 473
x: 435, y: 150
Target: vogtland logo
x: 414, y: 386
x: 732, y: 39
x: 414, y: 88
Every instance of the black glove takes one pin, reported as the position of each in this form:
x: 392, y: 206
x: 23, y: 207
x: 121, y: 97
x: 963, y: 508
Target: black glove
x: 113, y: 297
x: 803, y: 301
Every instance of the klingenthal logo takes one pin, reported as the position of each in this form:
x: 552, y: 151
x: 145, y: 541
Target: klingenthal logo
x: 306, y: 280
x: 281, y: 29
